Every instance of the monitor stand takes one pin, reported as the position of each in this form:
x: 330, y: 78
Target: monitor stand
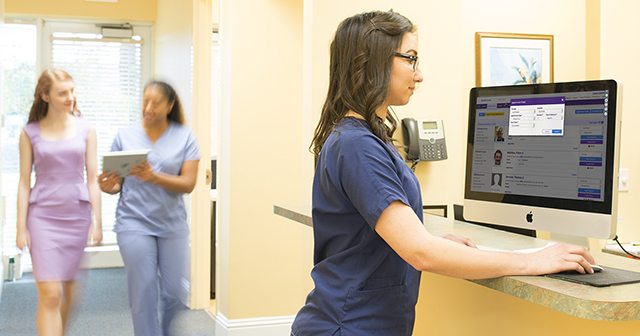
x: 458, y: 214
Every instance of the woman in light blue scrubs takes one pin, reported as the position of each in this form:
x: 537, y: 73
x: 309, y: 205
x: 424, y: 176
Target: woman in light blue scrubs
x: 151, y: 219
x: 370, y: 243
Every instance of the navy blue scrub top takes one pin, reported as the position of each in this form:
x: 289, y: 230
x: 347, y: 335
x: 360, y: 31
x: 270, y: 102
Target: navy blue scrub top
x: 362, y: 286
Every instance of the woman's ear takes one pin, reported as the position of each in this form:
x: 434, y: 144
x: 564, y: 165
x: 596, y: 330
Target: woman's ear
x: 45, y: 97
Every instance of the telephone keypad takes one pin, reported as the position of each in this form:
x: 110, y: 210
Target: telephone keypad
x: 434, y: 150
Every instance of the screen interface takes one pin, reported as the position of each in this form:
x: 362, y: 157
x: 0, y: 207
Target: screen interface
x: 549, y: 145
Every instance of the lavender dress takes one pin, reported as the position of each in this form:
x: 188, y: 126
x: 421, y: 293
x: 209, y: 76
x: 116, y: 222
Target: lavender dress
x: 59, y: 213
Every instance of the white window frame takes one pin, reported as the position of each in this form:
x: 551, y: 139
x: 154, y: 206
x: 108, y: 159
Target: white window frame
x: 4, y: 254
x: 48, y: 26
x: 103, y: 256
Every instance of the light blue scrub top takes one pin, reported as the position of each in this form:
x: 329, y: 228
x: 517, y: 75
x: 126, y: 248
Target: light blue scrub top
x: 147, y: 208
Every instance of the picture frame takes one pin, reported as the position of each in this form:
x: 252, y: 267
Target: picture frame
x: 513, y: 59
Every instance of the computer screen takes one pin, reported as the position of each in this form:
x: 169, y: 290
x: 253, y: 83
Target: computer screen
x: 544, y: 157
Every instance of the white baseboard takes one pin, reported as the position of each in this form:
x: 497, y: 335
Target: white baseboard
x: 262, y: 326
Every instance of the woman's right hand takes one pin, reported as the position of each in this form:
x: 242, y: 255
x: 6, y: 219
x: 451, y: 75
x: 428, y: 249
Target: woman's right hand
x: 23, y: 239
x: 109, y: 182
x: 559, y: 258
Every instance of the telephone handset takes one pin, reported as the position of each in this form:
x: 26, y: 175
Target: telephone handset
x: 424, y: 140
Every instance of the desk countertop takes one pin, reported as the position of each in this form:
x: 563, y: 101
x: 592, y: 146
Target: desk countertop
x: 615, y: 303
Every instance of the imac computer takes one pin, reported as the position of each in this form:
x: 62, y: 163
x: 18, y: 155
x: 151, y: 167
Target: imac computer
x: 544, y: 157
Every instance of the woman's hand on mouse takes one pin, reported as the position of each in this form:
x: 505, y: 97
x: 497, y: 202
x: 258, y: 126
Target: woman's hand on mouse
x: 560, y: 257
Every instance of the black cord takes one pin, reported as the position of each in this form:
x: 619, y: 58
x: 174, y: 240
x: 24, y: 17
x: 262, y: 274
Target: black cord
x: 625, y: 251
x: 414, y: 164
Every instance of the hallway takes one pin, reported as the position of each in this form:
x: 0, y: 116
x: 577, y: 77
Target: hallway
x: 102, y: 309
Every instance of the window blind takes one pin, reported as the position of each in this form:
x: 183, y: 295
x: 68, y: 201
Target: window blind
x: 108, y: 85
x: 18, y: 72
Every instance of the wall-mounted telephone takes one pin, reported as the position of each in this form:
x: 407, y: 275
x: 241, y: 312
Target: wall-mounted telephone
x: 424, y: 139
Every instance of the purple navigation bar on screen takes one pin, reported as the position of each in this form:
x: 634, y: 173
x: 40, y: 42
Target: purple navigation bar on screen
x: 537, y: 101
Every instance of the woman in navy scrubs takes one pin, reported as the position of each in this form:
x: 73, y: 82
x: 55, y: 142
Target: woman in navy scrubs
x: 370, y: 243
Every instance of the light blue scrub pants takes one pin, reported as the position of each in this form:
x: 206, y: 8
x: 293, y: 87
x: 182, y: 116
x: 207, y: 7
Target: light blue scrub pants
x: 155, y: 268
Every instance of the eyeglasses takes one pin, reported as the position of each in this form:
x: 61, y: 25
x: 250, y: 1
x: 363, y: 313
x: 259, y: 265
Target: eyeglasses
x: 413, y: 59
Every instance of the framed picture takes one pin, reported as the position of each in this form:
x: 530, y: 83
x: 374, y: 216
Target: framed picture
x: 513, y: 59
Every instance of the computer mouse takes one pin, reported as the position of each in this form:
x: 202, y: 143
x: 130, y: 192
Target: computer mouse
x: 596, y: 269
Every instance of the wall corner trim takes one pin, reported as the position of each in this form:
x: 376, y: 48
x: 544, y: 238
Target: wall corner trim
x: 261, y: 326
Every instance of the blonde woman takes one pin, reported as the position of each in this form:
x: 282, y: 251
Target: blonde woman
x: 55, y: 217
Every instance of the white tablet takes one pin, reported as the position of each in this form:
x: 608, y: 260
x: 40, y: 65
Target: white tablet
x: 122, y: 161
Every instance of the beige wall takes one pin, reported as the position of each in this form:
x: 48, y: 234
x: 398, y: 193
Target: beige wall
x: 618, y: 60
x: 126, y: 10
x: 2, y: 205
x: 183, y: 58
x: 215, y: 11
x: 446, y: 29
x: 273, y: 101
x: 452, y: 307
x: 447, y: 50
x: 173, y: 32
x: 264, y: 259
x: 200, y: 205
x: 592, y: 39
x: 452, y: 29
x: 443, y: 93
